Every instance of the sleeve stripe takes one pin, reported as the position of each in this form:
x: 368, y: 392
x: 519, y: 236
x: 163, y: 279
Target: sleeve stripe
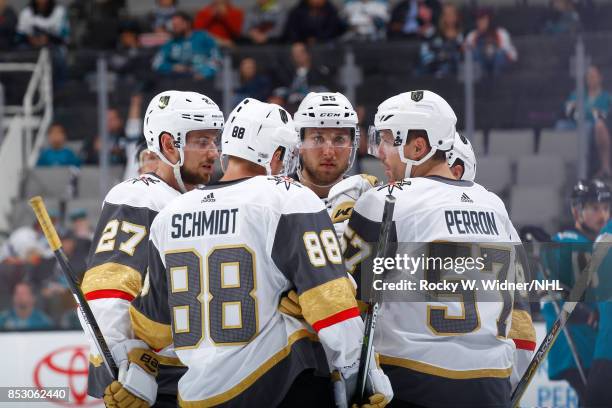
x: 109, y: 294
x: 524, y: 344
x: 112, y: 276
x: 337, y: 318
x: 327, y: 300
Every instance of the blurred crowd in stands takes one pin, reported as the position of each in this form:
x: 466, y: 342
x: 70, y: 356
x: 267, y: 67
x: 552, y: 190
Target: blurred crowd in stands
x: 189, y: 44
x: 178, y: 44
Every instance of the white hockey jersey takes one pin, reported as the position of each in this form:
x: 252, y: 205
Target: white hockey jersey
x: 220, y: 258
x: 442, y: 338
x: 342, y: 197
x: 117, y: 263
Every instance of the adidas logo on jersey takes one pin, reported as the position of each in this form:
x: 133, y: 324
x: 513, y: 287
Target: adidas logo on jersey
x: 209, y: 198
x: 466, y: 199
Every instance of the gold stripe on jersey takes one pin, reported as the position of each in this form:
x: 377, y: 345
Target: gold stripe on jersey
x: 326, y: 300
x: 97, y: 361
x: 522, y: 327
x: 112, y: 275
x: 446, y: 373
x: 370, y: 179
x: 251, y: 378
x: 157, y: 335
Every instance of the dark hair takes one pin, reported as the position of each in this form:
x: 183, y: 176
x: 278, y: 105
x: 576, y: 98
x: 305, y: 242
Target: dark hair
x: 185, y: 16
x: 439, y: 155
x: 44, y: 13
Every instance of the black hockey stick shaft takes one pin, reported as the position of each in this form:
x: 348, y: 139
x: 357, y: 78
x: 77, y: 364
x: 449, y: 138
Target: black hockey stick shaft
x: 92, y: 327
x: 374, y: 303
x: 599, y: 253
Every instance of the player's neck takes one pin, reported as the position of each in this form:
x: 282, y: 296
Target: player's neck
x: 238, y: 169
x: 434, y: 168
x: 320, y: 191
x: 166, y: 174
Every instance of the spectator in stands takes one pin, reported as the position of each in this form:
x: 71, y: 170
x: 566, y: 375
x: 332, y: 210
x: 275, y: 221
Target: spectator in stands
x: 57, y: 154
x: 81, y: 227
x: 414, y: 19
x: 264, y: 22
x: 25, y: 245
x: 564, y: 18
x: 222, y: 20
x: 492, y: 45
x: 188, y: 53
x: 8, y: 22
x: 43, y: 23
x: 441, y: 54
x: 305, y: 77
x: 312, y: 21
x: 23, y: 315
x: 367, y: 19
x: 597, y: 106
x: 125, y: 60
x: 252, y: 83
x: 161, y: 18
x: 117, y: 138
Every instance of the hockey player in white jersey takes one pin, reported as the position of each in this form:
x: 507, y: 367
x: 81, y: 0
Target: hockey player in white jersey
x: 462, y: 163
x: 183, y: 129
x: 329, y: 140
x: 440, y: 353
x: 220, y: 258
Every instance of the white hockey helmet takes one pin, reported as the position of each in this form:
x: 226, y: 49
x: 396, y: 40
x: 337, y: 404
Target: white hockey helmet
x: 177, y: 113
x: 462, y: 150
x: 327, y: 110
x: 414, y: 110
x: 255, y: 130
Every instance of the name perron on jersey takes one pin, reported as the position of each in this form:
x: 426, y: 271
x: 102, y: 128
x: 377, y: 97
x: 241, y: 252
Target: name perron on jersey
x: 428, y: 343
x: 117, y: 265
x: 220, y: 258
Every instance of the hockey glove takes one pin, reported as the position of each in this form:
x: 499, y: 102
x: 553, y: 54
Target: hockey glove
x: 138, y: 369
x: 378, y: 387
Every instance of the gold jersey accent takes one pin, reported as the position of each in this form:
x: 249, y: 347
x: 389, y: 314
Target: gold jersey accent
x: 112, y: 275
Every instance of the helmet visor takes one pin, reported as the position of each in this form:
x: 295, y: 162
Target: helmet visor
x: 204, y: 139
x: 378, y: 140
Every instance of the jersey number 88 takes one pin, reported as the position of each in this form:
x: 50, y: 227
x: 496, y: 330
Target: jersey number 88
x: 231, y: 306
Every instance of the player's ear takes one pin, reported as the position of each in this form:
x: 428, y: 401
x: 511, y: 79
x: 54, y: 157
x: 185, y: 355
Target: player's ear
x: 420, y: 147
x: 166, y: 143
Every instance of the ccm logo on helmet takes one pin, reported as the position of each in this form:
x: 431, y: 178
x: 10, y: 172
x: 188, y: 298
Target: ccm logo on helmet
x: 330, y: 115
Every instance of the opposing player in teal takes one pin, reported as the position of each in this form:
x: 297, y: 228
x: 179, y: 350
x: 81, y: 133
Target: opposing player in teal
x: 599, y: 391
x: 590, y: 205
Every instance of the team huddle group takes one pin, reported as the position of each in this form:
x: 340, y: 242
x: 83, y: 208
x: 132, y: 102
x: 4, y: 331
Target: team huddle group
x: 242, y: 292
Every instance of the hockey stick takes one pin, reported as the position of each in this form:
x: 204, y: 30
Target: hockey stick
x: 599, y: 253
x: 374, y: 301
x: 566, y: 332
x: 570, y: 340
x: 92, y: 327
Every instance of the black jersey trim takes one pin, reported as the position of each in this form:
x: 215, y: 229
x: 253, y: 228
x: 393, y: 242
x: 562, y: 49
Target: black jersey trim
x: 452, y: 182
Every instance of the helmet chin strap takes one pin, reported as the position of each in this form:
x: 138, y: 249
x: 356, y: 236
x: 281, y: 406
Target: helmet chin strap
x: 176, y: 169
x: 410, y: 163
